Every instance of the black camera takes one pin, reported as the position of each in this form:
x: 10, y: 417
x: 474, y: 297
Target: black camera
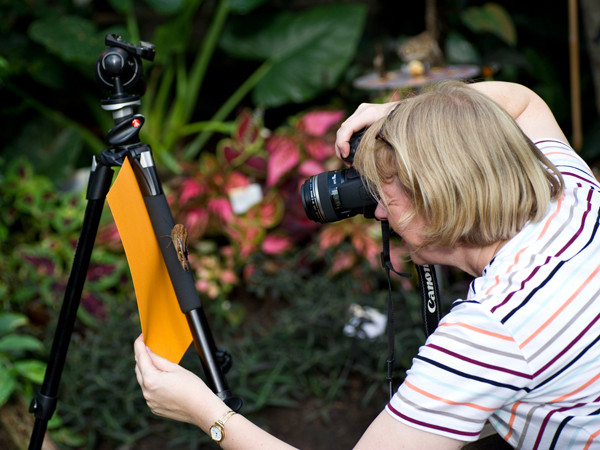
x: 338, y: 194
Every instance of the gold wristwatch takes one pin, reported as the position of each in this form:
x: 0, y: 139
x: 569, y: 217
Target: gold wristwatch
x: 217, y: 430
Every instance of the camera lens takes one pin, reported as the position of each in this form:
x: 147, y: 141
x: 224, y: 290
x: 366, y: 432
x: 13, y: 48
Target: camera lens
x: 336, y: 195
x: 313, y: 190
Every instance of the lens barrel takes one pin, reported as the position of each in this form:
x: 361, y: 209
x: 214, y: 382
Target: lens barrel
x: 336, y: 195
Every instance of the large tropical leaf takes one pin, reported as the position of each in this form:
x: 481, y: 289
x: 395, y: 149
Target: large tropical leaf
x: 308, y: 50
x: 491, y: 18
x: 72, y: 38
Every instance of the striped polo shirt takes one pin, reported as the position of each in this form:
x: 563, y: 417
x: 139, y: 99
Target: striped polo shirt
x: 523, y: 349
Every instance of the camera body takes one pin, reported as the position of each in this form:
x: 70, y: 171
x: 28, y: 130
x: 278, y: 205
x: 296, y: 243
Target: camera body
x: 338, y: 194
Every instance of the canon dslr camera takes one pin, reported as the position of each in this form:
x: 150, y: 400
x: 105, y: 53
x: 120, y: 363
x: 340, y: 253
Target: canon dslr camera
x: 338, y: 194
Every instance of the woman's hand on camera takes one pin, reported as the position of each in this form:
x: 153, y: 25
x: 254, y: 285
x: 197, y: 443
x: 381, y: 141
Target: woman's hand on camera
x: 365, y: 115
x: 169, y: 389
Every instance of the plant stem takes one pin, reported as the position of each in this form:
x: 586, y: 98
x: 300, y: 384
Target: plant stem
x: 188, y: 85
x: 204, y: 56
x: 194, y: 148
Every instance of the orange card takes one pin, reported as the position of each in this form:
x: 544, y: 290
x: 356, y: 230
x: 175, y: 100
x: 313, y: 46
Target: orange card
x: 164, y: 326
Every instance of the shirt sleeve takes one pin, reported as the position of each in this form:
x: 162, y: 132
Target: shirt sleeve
x: 468, y: 368
x: 573, y: 168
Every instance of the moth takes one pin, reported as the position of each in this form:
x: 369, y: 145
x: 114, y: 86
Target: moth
x: 179, y: 239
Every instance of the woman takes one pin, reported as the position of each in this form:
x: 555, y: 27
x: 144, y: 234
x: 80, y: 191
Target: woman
x: 479, y: 177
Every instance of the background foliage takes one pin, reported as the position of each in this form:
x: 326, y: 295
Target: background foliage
x: 243, y: 94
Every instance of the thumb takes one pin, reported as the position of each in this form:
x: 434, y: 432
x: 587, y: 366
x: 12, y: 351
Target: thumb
x: 161, y: 363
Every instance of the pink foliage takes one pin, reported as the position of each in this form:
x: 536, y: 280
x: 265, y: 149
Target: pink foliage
x: 257, y: 163
x: 285, y: 155
x: 330, y: 237
x: 93, y: 305
x: 109, y: 235
x: 196, y: 220
x: 343, y: 262
x: 318, y: 123
x: 367, y: 247
x: 248, y: 240
x: 221, y: 208
x: 229, y: 276
x: 236, y: 180
x: 318, y: 149
x: 189, y: 189
x: 230, y: 153
x: 276, y: 245
x: 279, y: 161
x: 269, y: 214
x: 246, y: 130
x: 310, y: 168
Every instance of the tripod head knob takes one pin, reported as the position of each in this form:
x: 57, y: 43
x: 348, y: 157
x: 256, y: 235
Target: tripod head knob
x: 119, y: 68
x: 119, y: 72
x: 114, y: 64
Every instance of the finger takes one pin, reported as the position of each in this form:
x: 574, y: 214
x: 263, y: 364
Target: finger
x: 139, y: 376
x: 142, y: 358
x: 159, y: 362
x: 342, y: 146
x: 365, y: 115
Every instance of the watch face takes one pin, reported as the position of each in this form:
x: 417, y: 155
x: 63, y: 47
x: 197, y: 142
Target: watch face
x: 216, y: 433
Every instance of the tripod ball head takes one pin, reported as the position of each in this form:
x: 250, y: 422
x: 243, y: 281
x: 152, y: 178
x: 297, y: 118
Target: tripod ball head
x: 119, y: 67
x: 118, y: 71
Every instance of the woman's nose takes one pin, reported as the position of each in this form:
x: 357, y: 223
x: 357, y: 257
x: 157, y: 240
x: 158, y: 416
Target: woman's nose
x: 380, y: 212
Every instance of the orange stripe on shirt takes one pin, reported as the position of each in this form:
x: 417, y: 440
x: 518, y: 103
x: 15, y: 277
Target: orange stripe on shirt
x: 493, y: 286
x: 478, y: 330
x: 591, y: 439
x: 570, y: 155
x: 559, y: 310
x: 507, y: 270
x: 511, y: 421
x: 551, y: 218
x: 546, y: 226
x: 579, y: 389
x: 445, y: 400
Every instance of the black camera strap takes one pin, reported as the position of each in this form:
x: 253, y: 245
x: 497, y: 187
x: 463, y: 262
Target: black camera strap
x: 430, y: 298
x: 429, y: 295
x: 388, y: 267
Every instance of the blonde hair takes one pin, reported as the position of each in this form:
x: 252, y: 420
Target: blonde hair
x: 464, y: 163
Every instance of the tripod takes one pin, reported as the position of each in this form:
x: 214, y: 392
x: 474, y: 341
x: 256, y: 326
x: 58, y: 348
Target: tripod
x: 119, y: 69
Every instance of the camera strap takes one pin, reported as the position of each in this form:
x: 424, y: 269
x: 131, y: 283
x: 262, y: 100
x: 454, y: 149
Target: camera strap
x: 388, y: 267
x: 429, y: 295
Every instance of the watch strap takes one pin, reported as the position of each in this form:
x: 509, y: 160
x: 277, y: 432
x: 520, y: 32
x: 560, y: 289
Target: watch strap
x: 220, y: 423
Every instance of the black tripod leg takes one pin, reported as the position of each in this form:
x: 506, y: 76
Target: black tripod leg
x: 44, y: 403
x: 189, y: 302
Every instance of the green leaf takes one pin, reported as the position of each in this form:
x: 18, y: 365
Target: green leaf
x: 31, y: 370
x: 459, y: 50
x: 491, y: 18
x: 8, y: 383
x: 72, y: 38
x: 10, y: 322
x: 245, y: 6
x: 309, y: 50
x: 172, y: 37
x: 68, y: 437
x: 52, y: 150
x: 20, y: 343
x: 122, y: 6
x: 165, y: 6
